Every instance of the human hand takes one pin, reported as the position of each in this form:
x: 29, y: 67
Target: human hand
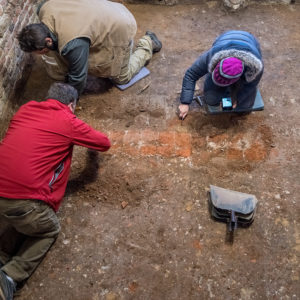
x: 183, y: 110
x: 234, y: 104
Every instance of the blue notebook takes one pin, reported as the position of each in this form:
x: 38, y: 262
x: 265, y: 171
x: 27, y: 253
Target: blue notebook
x: 140, y: 75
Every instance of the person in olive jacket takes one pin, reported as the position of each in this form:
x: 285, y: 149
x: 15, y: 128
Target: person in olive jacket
x: 77, y: 37
x: 233, y: 67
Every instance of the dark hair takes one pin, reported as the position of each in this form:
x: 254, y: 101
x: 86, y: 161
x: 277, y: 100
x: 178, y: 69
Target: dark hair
x: 32, y: 37
x: 63, y: 93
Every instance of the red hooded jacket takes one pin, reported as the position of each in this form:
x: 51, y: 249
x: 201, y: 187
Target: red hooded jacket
x: 36, y: 152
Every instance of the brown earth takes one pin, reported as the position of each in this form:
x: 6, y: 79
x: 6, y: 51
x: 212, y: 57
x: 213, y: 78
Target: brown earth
x: 163, y: 243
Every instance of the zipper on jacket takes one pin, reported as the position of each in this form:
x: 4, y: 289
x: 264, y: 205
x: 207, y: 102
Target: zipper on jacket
x: 57, y: 172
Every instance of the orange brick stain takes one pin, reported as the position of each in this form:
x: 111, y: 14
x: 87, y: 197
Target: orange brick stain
x: 183, y: 144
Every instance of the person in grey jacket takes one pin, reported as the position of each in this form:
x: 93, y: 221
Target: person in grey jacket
x: 233, y: 68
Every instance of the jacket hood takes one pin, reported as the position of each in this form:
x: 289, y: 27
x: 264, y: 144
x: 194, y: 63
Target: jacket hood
x: 254, y: 66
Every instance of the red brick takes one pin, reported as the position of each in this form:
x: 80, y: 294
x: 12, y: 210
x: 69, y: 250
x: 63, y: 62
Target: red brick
x: 197, y: 245
x: 166, y: 138
x: 234, y: 154
x: 148, y: 150
x: 149, y: 136
x: 182, y: 139
x: 184, y: 152
x: 167, y: 151
x: 256, y: 152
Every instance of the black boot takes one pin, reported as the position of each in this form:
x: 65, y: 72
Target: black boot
x: 156, y: 43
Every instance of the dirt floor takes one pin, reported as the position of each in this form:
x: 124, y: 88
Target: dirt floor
x: 135, y: 220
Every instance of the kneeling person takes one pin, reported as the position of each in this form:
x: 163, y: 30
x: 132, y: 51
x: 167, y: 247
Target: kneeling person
x: 78, y: 37
x: 35, y: 159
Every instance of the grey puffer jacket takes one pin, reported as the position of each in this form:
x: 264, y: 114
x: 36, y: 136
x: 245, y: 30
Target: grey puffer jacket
x: 240, y: 44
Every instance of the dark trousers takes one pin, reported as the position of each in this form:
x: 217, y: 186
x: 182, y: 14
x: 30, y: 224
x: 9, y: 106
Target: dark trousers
x: 213, y: 94
x: 32, y: 229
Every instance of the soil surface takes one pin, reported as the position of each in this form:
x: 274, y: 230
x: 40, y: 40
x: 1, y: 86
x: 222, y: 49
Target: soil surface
x: 135, y: 220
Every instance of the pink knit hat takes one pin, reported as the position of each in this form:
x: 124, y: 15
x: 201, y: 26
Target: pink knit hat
x: 227, y: 71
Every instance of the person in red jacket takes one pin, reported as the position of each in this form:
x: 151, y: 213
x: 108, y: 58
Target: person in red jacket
x: 35, y: 159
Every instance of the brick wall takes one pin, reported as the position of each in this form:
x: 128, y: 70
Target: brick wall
x: 14, y: 14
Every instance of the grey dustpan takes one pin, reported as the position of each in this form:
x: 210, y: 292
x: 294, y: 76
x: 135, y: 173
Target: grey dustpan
x: 232, y: 200
x: 234, y: 208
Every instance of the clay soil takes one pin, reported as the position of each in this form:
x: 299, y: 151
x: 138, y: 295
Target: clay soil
x: 135, y: 220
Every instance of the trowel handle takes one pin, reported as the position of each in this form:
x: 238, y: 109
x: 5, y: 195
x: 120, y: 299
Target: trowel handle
x: 233, y: 221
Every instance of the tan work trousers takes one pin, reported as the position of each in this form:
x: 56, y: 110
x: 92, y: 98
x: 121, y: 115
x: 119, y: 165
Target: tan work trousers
x: 133, y: 62
x: 32, y: 229
x: 131, y: 65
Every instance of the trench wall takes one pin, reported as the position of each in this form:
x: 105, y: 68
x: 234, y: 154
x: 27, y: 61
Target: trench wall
x: 14, y: 14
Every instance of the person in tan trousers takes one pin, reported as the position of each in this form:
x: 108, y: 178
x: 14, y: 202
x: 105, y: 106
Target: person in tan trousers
x: 77, y: 37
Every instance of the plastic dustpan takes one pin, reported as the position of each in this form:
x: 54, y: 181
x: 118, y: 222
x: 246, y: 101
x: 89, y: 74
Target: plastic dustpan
x: 234, y: 208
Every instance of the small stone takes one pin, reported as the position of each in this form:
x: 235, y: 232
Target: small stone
x: 293, y: 101
x: 277, y: 196
x: 124, y: 204
x: 272, y: 100
x: 189, y: 206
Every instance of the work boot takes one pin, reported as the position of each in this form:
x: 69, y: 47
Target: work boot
x: 7, y: 287
x: 156, y: 43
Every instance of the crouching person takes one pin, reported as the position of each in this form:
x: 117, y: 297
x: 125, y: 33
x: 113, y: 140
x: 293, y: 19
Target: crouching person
x: 78, y: 37
x: 35, y: 159
x: 233, y: 67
